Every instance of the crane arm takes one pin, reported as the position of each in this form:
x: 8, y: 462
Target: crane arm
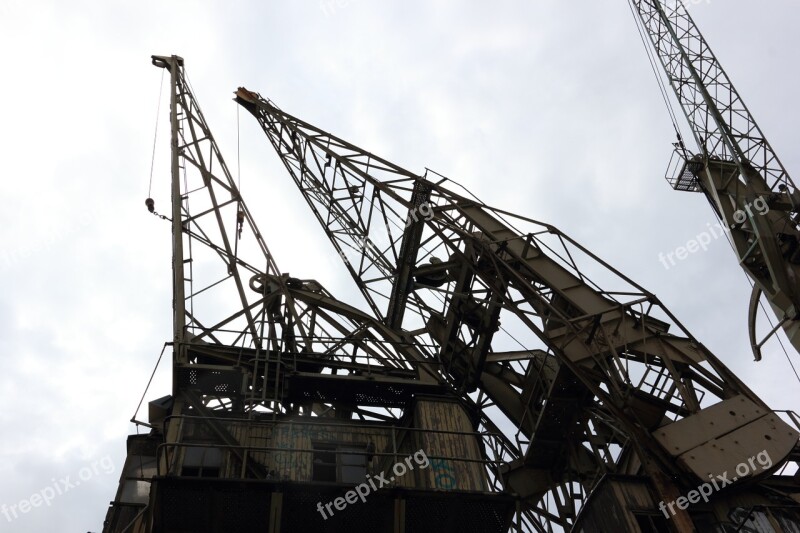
x: 581, y: 364
x: 735, y: 166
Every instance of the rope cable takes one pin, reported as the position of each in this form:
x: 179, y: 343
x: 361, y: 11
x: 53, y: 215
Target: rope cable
x: 661, y: 84
x: 664, y: 94
x: 133, y: 419
x: 238, y: 157
x: 155, y: 134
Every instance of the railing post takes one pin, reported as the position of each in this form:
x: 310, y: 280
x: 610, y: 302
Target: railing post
x: 394, y: 444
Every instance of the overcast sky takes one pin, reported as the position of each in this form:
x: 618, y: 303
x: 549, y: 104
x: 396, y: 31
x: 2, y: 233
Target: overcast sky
x: 547, y: 108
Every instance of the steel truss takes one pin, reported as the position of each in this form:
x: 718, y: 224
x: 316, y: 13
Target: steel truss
x: 736, y: 168
x: 571, y: 360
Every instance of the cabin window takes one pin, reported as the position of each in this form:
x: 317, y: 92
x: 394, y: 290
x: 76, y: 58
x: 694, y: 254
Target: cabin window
x: 201, y: 461
x: 324, y: 463
x: 652, y: 523
x: 706, y: 521
x: 339, y: 463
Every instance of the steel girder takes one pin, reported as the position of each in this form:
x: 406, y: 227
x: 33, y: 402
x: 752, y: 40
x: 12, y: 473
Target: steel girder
x: 736, y: 167
x: 576, y: 363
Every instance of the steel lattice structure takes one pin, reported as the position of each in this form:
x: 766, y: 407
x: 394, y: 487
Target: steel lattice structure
x: 571, y: 398
x: 736, y: 168
x: 720, y: 121
x: 232, y: 304
x: 256, y: 351
x: 578, y: 364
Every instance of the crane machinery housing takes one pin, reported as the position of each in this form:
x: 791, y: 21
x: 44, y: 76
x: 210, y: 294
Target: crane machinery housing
x: 501, y: 378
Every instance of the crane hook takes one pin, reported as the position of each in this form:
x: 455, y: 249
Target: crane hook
x: 240, y: 222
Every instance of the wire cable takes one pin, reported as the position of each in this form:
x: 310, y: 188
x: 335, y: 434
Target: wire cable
x: 661, y: 84
x: 238, y: 152
x: 133, y: 418
x: 155, y: 135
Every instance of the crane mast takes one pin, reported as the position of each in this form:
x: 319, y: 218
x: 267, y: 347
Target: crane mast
x: 734, y: 165
x: 284, y: 397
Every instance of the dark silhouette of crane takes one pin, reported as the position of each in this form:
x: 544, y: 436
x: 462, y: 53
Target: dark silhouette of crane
x: 585, y: 370
x: 520, y: 382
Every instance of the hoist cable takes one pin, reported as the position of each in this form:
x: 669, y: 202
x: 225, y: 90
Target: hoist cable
x: 652, y: 60
x: 155, y: 134
x: 238, y: 157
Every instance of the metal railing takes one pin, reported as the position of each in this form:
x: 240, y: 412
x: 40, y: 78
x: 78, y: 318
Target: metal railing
x: 279, y: 455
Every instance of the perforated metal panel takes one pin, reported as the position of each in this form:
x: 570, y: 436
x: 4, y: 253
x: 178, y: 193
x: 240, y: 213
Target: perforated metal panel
x: 305, y: 388
x: 209, y: 379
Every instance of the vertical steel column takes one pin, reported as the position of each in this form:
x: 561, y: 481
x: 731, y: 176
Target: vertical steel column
x: 178, y: 294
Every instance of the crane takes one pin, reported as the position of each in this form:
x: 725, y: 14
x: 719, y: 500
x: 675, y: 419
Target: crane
x: 545, y: 390
x: 281, y: 393
x: 587, y: 372
x: 733, y: 165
